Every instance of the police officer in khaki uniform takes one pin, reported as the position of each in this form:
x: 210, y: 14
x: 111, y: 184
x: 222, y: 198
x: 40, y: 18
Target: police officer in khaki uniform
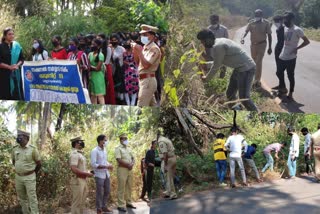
x: 149, y: 60
x: 168, y: 164
x: 259, y: 28
x: 78, y: 166
x: 26, y: 160
x: 315, y: 150
x: 126, y: 162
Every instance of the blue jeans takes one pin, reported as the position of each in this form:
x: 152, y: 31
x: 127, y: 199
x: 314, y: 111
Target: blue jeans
x: 269, y: 162
x: 221, y: 167
x: 292, y: 165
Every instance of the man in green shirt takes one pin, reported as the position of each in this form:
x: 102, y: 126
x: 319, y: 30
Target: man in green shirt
x: 26, y: 160
x: 227, y: 52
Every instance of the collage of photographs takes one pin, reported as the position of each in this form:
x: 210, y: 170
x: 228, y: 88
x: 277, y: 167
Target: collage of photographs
x: 159, y: 106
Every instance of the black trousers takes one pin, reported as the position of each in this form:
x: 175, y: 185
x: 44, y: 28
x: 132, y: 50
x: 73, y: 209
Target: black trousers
x: 289, y: 66
x: 308, y: 164
x: 147, y: 182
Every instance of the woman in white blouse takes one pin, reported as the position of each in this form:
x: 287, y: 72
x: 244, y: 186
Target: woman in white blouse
x: 38, y: 51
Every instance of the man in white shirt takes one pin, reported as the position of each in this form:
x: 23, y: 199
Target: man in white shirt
x: 101, y: 166
x: 234, y: 144
x: 293, y: 153
x: 307, y: 150
x: 288, y: 56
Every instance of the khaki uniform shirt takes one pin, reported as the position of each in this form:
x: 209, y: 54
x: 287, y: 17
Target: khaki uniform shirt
x: 259, y: 31
x: 219, y: 32
x: 152, y: 53
x: 77, y: 159
x: 25, y: 158
x: 122, y: 152
x: 316, y: 138
x: 165, y: 146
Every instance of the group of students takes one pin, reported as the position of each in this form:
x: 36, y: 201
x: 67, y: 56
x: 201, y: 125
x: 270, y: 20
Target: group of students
x: 240, y: 152
x: 108, y: 66
x: 220, y: 51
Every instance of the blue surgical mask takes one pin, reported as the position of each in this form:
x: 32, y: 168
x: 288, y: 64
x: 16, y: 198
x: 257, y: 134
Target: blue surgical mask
x: 126, y: 142
x: 145, y: 40
x: 72, y: 48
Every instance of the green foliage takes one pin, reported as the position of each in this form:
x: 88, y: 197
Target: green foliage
x: 148, y: 12
x: 66, y: 25
x: 311, y: 13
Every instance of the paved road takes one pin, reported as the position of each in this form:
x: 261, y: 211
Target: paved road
x: 307, y: 90
x: 283, y: 196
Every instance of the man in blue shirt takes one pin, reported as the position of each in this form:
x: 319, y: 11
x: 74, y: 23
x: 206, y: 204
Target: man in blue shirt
x: 248, y: 159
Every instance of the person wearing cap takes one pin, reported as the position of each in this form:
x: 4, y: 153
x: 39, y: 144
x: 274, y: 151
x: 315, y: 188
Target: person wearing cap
x: 168, y: 164
x: 126, y: 162
x: 315, y: 152
x: 293, y: 152
x: 101, y: 166
x: 26, y: 160
x: 78, y: 165
x: 259, y: 29
x: 229, y: 53
x: 149, y: 60
x: 288, y: 56
x: 219, y: 31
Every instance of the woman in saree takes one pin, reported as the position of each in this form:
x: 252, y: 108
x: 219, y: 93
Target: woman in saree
x: 11, y: 59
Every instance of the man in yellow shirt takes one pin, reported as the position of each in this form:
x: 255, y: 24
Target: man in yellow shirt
x: 220, y: 158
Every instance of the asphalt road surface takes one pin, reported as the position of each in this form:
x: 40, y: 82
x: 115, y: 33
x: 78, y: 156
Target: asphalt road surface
x: 284, y: 196
x: 307, y: 75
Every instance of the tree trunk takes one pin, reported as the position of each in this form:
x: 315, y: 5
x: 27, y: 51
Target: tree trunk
x: 63, y: 109
x: 187, y: 131
x: 40, y: 124
x: 45, y: 123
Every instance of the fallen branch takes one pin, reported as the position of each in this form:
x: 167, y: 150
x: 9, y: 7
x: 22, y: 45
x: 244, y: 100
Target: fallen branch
x: 187, y: 131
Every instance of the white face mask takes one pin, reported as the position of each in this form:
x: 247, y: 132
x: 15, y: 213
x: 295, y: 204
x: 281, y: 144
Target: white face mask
x: 258, y: 19
x: 126, y: 142
x: 105, y: 143
x: 35, y: 45
x: 145, y: 40
x: 215, y: 26
x: 278, y: 24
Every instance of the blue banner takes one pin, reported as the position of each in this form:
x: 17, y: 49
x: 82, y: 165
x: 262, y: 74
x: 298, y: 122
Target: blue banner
x: 53, y: 81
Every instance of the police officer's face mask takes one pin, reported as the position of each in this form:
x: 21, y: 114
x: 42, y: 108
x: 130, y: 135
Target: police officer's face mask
x: 19, y: 140
x: 82, y: 144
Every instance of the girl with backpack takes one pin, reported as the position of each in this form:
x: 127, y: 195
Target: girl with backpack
x: 39, y: 53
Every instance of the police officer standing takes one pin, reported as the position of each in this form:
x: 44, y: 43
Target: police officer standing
x: 219, y: 31
x: 78, y: 166
x: 259, y: 29
x: 126, y: 162
x: 149, y: 60
x: 168, y: 164
x: 26, y: 160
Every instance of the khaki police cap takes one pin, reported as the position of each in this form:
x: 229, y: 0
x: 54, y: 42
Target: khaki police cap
x: 123, y: 136
x: 76, y: 139
x: 24, y: 133
x: 148, y: 28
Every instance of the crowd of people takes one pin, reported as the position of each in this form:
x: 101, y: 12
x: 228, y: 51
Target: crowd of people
x: 220, y: 52
x: 111, y: 68
x: 236, y: 148
x: 27, y: 162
